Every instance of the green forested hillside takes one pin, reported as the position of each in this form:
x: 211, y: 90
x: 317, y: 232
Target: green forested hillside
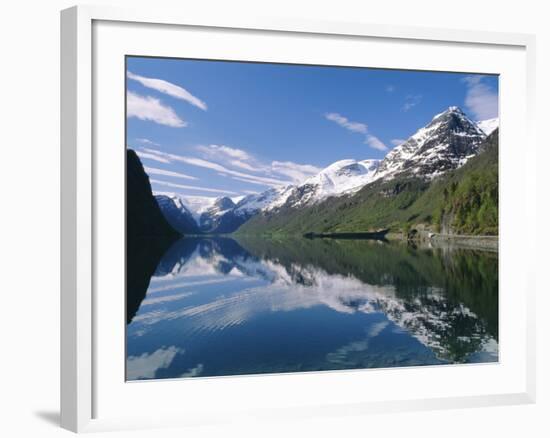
x: 469, y: 203
x: 463, y: 201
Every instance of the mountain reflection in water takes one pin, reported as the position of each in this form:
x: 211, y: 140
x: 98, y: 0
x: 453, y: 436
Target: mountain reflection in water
x: 218, y: 306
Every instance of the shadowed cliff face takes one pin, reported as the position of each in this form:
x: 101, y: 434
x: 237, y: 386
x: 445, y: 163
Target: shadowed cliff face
x: 177, y: 214
x: 143, y: 215
x: 148, y: 235
x: 143, y: 256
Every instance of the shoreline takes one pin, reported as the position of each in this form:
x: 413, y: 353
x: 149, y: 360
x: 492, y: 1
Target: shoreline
x: 481, y: 242
x: 489, y: 243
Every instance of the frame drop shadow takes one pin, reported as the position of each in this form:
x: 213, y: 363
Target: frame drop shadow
x: 51, y: 417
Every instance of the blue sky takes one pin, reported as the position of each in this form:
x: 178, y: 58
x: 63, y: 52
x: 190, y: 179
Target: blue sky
x: 212, y: 128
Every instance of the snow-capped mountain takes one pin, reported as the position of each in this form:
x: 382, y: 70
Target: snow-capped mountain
x: 219, y: 217
x: 177, y: 214
x: 225, y: 216
x: 345, y: 176
x: 445, y: 143
x: 197, y: 205
x: 267, y: 200
x: 341, y: 177
x: 489, y: 125
x: 220, y: 207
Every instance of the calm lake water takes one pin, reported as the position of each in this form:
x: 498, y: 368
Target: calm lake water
x: 218, y: 306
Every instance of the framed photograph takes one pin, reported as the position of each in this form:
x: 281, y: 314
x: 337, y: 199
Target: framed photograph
x: 284, y: 218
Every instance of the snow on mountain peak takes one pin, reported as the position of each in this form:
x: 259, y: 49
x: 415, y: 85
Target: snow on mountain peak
x: 267, y: 200
x: 176, y: 200
x: 443, y: 144
x: 451, y: 109
x: 340, y: 177
x: 343, y: 176
x: 370, y: 164
x: 488, y: 126
x: 196, y: 205
x: 221, y: 205
x: 338, y: 165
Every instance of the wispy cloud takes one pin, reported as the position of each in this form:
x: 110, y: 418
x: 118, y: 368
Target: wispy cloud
x: 153, y: 157
x: 152, y: 109
x: 297, y: 172
x: 228, y: 151
x: 199, y: 162
x: 155, y: 171
x: 397, y: 141
x: 411, y: 101
x: 147, y: 141
x: 231, y: 156
x: 168, y: 88
x: 186, y: 187
x: 390, y: 88
x: 481, y: 99
x: 345, y: 123
x: 359, y: 128
x: 234, y: 157
x: 375, y: 143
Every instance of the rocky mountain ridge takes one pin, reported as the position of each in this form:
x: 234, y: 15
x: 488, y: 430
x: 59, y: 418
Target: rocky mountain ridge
x: 446, y: 143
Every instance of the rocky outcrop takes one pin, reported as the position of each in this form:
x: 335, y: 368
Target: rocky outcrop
x: 143, y: 215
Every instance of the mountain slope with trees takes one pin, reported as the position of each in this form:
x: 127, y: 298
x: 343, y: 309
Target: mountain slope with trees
x: 464, y: 200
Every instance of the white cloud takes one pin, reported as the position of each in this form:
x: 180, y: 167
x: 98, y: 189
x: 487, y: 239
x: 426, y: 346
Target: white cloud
x: 146, y: 365
x: 375, y: 143
x: 199, y: 162
x: 249, y: 180
x: 186, y: 187
x: 411, y: 101
x: 231, y: 156
x: 239, y: 158
x: 360, y: 128
x: 245, y: 166
x: 194, y: 372
x: 228, y: 151
x: 152, y: 109
x: 390, y: 88
x: 397, y: 141
x: 297, y: 172
x: 155, y: 171
x: 344, y: 122
x: 153, y: 157
x: 147, y: 142
x: 481, y: 99
x: 168, y: 88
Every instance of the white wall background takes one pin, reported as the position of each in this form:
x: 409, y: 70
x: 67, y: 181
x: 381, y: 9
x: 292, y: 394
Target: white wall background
x: 29, y: 219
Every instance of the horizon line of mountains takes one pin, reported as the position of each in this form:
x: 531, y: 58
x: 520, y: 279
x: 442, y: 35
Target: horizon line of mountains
x: 428, y: 159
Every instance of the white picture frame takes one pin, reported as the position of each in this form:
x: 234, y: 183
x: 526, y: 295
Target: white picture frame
x: 83, y: 371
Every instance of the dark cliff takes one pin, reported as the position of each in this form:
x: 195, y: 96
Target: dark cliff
x: 143, y: 215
